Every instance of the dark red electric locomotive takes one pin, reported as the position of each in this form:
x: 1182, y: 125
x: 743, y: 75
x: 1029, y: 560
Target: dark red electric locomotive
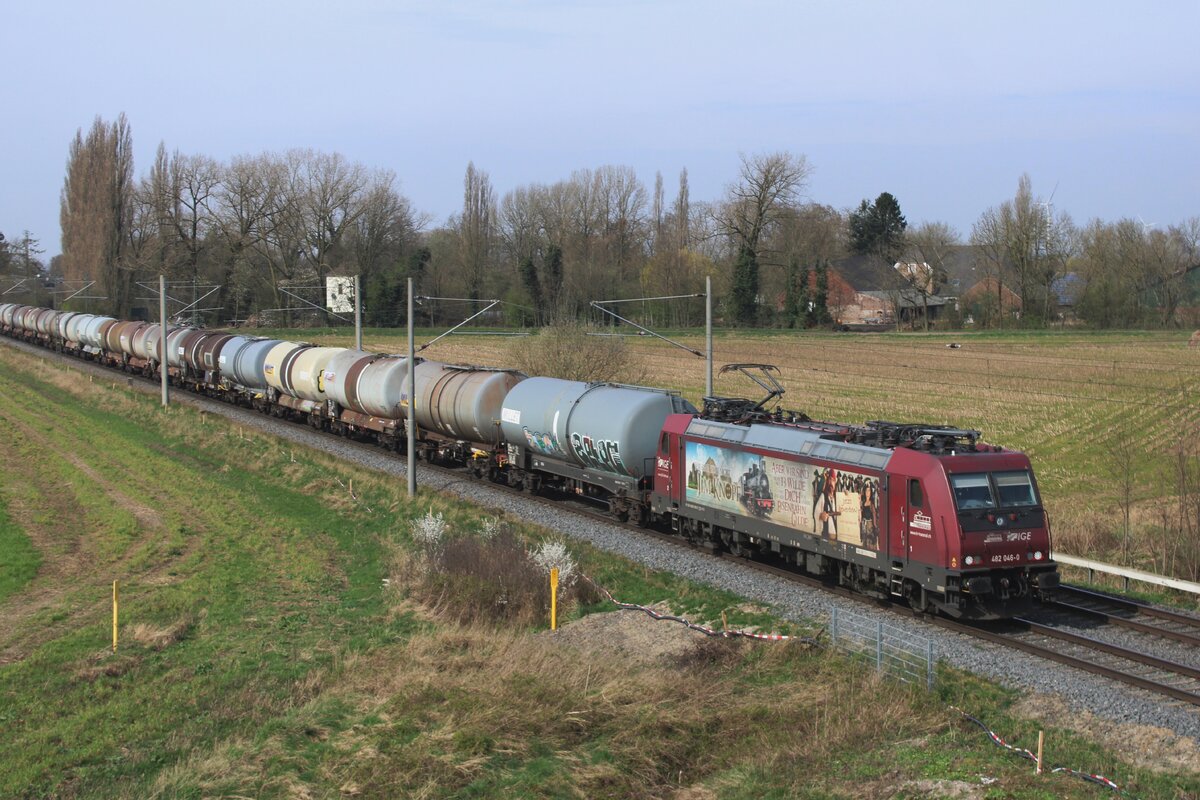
x: 921, y: 512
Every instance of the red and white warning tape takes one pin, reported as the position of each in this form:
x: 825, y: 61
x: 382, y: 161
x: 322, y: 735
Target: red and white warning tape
x: 1023, y: 753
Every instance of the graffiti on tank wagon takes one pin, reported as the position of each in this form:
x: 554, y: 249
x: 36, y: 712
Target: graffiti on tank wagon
x: 602, y: 453
x: 544, y: 443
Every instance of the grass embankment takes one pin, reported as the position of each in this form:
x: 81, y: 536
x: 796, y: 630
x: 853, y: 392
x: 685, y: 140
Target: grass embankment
x: 282, y: 638
x: 1088, y: 408
x: 21, y: 558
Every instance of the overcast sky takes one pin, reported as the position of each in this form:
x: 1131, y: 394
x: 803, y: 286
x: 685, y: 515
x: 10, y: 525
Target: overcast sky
x: 943, y: 104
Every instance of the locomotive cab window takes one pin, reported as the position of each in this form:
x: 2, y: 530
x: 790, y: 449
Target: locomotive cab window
x: 916, y: 498
x: 662, y: 446
x: 1015, y: 489
x: 972, y: 490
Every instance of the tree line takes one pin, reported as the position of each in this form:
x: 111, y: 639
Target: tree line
x: 259, y: 224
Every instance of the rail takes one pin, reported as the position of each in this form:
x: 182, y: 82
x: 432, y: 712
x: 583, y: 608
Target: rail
x: 1127, y: 573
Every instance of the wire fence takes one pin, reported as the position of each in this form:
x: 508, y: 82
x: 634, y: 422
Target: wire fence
x: 894, y: 651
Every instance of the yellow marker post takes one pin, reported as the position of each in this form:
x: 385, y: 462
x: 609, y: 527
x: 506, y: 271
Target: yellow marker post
x: 1041, y: 740
x: 554, y: 598
x: 114, y: 616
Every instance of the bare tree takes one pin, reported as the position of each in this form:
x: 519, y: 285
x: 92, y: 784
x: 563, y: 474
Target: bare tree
x: 569, y: 350
x: 767, y: 184
x: 930, y: 245
x: 97, y: 207
x: 1023, y: 235
x: 476, y: 228
x: 184, y: 187
x: 330, y: 200
x: 656, y: 214
x: 1121, y: 449
x: 383, y: 235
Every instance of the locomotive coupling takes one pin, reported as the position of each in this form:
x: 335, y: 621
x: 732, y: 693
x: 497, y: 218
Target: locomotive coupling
x: 1047, y: 581
x: 979, y: 585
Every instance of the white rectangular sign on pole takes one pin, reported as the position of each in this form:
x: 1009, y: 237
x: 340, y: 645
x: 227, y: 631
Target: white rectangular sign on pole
x: 339, y: 294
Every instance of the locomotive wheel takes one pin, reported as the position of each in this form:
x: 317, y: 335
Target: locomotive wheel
x: 919, y: 601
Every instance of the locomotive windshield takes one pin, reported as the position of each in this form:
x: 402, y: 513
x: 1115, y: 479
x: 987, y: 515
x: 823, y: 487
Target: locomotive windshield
x: 993, y: 490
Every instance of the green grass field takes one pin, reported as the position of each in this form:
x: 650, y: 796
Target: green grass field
x: 276, y: 641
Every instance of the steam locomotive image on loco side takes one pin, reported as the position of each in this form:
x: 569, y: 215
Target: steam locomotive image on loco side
x: 924, y: 513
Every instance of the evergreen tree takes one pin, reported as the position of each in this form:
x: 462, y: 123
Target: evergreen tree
x: 553, y: 269
x: 529, y: 279
x: 878, y: 228
x: 821, y: 300
x: 418, y: 263
x: 805, y: 298
x: 744, y: 295
x: 791, y: 293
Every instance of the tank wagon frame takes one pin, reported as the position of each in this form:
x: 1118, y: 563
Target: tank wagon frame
x: 920, y: 512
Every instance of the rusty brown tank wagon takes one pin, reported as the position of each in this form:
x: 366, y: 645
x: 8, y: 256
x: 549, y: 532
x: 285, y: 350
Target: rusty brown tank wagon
x: 923, y: 513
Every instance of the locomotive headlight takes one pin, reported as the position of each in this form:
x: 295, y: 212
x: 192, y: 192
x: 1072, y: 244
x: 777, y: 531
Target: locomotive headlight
x: 1037, y: 555
x: 969, y: 560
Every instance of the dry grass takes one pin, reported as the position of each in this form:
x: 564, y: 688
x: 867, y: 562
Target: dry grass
x: 159, y: 638
x: 466, y: 700
x: 467, y: 579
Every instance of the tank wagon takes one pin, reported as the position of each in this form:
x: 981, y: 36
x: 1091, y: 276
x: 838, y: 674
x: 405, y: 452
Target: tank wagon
x: 926, y: 513
x: 592, y: 439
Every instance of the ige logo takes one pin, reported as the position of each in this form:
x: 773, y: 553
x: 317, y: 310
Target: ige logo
x: 922, y: 521
x: 1020, y: 536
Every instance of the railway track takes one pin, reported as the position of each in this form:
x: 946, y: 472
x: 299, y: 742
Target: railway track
x: 1159, y: 676
x: 1180, y: 683
x: 1124, y: 613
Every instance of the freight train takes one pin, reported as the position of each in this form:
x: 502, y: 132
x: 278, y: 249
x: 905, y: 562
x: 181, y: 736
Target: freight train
x: 928, y: 514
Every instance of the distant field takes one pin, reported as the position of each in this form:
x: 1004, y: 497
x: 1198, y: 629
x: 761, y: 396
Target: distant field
x: 275, y: 643
x: 1063, y: 397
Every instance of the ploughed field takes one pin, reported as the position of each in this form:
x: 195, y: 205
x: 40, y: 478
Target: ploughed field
x: 1076, y: 402
x: 281, y: 636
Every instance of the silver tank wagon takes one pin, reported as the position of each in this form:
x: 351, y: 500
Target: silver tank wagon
x: 602, y: 426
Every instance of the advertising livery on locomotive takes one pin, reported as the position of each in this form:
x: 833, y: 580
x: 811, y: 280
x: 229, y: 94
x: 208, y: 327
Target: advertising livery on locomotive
x: 924, y: 513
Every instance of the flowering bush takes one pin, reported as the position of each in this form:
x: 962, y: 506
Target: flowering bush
x: 553, y: 553
x: 429, y: 530
x: 491, y: 528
